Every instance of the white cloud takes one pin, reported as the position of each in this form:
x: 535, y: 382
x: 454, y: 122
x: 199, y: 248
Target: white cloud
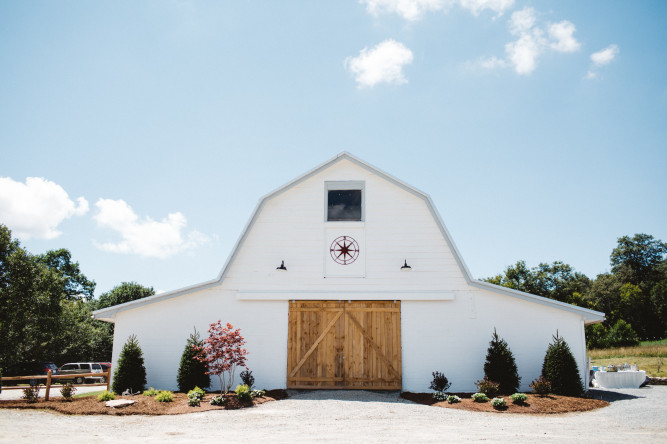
x: 408, y: 9
x: 145, y: 237
x: 492, y: 63
x: 36, y: 208
x: 413, y: 10
x: 563, y: 35
x: 523, y: 53
x: 605, y: 56
x: 522, y: 21
x: 381, y: 64
x: 477, y: 6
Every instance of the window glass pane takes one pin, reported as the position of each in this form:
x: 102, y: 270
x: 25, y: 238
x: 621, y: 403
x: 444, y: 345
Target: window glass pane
x: 97, y: 367
x: 344, y: 205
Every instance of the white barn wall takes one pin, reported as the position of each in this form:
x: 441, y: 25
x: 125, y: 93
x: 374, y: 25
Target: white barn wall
x: 453, y: 336
x: 164, y: 327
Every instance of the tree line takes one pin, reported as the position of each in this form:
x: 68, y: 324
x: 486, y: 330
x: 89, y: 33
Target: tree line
x: 633, y: 295
x: 46, y: 306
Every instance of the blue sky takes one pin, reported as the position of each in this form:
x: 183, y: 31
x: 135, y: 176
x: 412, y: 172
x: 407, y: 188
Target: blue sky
x: 151, y: 128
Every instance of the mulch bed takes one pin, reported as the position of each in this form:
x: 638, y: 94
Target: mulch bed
x: 534, y: 405
x: 144, y: 405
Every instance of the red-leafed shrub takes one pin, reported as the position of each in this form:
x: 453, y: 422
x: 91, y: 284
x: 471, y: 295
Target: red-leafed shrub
x: 223, y: 352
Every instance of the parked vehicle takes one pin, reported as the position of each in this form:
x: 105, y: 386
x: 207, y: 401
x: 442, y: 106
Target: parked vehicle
x: 105, y: 366
x: 30, y: 369
x: 72, y: 368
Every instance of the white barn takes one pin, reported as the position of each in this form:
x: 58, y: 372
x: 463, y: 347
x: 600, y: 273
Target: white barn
x: 347, y: 312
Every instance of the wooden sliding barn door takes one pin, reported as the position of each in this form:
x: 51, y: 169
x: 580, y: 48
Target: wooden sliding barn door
x: 344, y: 345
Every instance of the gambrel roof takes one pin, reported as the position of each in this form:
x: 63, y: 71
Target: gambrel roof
x: 589, y: 316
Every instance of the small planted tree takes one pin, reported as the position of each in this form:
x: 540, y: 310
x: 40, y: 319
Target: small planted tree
x: 130, y: 372
x: 500, y: 366
x: 560, y: 369
x: 223, y: 352
x: 192, y: 372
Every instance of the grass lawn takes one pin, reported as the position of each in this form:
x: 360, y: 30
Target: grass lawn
x: 648, y: 355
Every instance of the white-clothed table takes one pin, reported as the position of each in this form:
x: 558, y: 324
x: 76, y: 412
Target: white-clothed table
x: 623, y: 379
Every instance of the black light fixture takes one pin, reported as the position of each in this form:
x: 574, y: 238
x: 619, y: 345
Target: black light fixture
x: 282, y: 267
x: 406, y: 267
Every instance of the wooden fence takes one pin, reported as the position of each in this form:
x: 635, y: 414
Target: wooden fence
x: 50, y: 377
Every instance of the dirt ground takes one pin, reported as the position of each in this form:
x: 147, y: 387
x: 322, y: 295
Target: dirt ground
x: 534, y: 405
x: 147, y: 405
x: 144, y: 405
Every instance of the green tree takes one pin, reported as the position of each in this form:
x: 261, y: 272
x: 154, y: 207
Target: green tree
x: 30, y: 296
x: 560, y: 369
x: 636, y: 259
x: 192, y: 372
x: 75, y: 284
x: 125, y: 292
x: 555, y: 281
x: 500, y: 366
x: 130, y: 371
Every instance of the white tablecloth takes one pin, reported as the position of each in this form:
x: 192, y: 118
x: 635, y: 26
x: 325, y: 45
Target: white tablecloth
x: 625, y: 379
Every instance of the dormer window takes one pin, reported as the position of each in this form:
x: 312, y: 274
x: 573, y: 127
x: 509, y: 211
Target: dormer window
x: 345, y: 201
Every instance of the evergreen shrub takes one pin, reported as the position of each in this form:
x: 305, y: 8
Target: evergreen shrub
x: 130, y: 372
x: 560, y: 369
x: 192, y: 372
x: 500, y: 366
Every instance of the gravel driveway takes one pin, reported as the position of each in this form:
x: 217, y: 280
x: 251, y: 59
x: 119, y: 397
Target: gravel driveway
x: 637, y: 415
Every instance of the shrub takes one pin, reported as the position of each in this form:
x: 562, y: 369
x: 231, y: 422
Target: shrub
x: 621, y: 334
x: 439, y: 383
x: 519, y: 398
x: 164, y: 396
x: 31, y: 393
x: 247, y: 378
x: 218, y: 400
x: 541, y: 386
x: 560, y: 369
x: 480, y: 397
x: 106, y: 396
x: 488, y: 387
x: 453, y: 399
x: 192, y: 372
x: 500, y: 365
x: 195, y: 396
x: 498, y: 403
x: 223, y: 352
x: 243, y: 393
x: 439, y: 396
x: 258, y: 393
x: 130, y: 372
x: 151, y: 392
x: 67, y: 391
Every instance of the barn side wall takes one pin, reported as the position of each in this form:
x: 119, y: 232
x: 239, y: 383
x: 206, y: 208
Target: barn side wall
x: 163, y: 328
x: 453, y: 336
